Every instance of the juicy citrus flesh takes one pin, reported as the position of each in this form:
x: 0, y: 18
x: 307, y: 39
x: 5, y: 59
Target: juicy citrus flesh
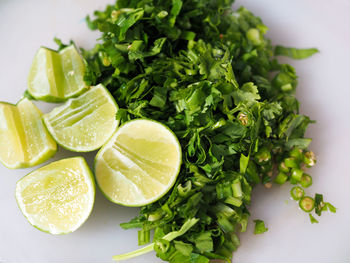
x: 59, y: 197
x: 24, y: 140
x: 56, y: 76
x: 139, y: 164
x: 84, y: 123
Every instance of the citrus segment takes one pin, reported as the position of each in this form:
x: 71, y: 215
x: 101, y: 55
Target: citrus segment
x: 139, y: 164
x: 59, y: 197
x: 56, y: 76
x: 84, y: 123
x: 24, y: 140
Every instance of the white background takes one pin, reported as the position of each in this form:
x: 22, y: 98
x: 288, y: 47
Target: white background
x: 323, y: 91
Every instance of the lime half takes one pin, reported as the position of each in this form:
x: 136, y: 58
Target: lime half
x: 56, y: 76
x: 57, y: 198
x: 85, y: 123
x: 24, y: 140
x: 139, y: 164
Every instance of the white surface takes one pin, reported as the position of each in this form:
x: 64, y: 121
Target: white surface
x: 323, y: 91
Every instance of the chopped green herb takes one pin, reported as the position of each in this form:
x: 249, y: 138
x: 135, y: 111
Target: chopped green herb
x: 259, y: 227
x: 313, y: 219
x: 208, y: 72
x: 295, y: 53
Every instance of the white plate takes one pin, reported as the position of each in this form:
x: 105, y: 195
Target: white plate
x: 323, y: 92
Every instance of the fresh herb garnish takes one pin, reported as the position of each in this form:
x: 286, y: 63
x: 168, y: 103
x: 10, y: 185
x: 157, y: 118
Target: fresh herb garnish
x: 259, y: 227
x: 208, y: 73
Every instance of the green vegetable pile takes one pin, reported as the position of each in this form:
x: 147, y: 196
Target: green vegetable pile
x: 208, y: 73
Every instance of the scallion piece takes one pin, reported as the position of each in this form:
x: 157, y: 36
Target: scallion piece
x: 307, y: 203
x: 291, y: 162
x: 283, y: 168
x: 259, y: 227
x: 297, y: 174
x: 233, y: 201
x: 309, y: 159
x: 296, y: 153
x: 143, y: 237
x: 263, y: 155
x: 281, y: 178
x: 306, y: 180
x: 237, y: 189
x: 297, y: 192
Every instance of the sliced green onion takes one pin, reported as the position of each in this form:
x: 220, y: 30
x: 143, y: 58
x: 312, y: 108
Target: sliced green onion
x: 309, y: 159
x: 307, y: 203
x: 283, y: 168
x: 296, y: 153
x: 158, y: 214
x: 144, y: 237
x: 306, y: 180
x: 297, y: 174
x: 168, y: 237
x: 233, y: 201
x: 297, y: 192
x: 259, y: 227
x: 291, y: 162
x: 263, y: 155
x: 281, y: 178
x: 266, y: 167
x: 224, y: 190
x: 161, y: 246
x: 237, y: 189
x: 225, y: 224
x: 185, y: 188
x: 105, y: 60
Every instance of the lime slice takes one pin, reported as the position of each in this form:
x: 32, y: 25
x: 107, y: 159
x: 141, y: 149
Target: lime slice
x: 139, y: 164
x: 56, y: 76
x: 85, y: 123
x: 24, y: 140
x: 57, y: 198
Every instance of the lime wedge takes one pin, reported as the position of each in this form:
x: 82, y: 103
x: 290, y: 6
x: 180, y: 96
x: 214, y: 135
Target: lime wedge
x: 85, y: 123
x: 57, y: 198
x: 24, y: 140
x: 139, y: 164
x: 56, y: 76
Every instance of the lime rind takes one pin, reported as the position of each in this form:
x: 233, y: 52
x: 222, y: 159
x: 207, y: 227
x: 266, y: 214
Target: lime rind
x: 111, y: 142
x: 25, y: 132
x: 107, y: 133
x: 56, y: 76
x: 89, y: 180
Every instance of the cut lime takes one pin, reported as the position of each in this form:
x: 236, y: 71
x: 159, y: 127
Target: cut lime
x: 56, y: 76
x: 85, y: 123
x: 139, y: 164
x: 57, y: 198
x: 24, y: 140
